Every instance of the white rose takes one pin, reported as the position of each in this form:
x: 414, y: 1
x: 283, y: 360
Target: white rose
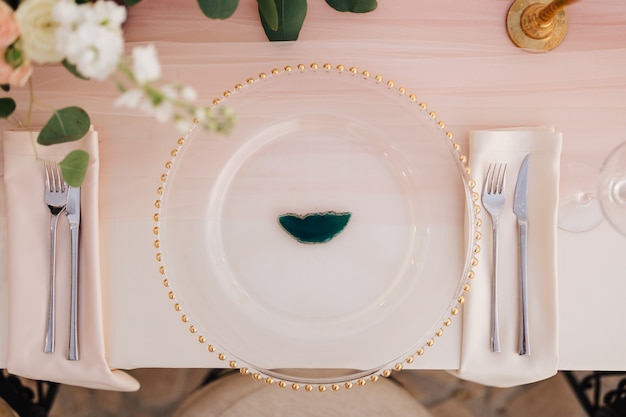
x: 38, y: 29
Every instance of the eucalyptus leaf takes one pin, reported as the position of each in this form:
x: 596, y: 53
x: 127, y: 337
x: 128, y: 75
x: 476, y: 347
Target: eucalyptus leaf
x: 354, y: 6
x: 7, y: 107
x: 65, y: 125
x: 131, y: 2
x: 74, y: 167
x: 291, y: 14
x: 72, y: 68
x: 267, y: 9
x: 218, y: 9
x: 5, y: 87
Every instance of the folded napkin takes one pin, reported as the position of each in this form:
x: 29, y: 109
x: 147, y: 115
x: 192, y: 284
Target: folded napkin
x: 508, y: 368
x: 28, y: 261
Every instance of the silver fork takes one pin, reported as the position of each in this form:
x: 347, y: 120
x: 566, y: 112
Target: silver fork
x: 55, y: 197
x: 493, y: 200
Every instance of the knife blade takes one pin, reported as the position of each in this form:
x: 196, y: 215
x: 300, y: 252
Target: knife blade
x: 520, y: 208
x: 73, y: 215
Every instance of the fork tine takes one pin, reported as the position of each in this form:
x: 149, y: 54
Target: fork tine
x: 495, y: 178
x: 501, y: 178
x: 489, y: 179
x: 60, y: 181
x: 47, y: 170
x: 57, y: 179
x: 54, y: 178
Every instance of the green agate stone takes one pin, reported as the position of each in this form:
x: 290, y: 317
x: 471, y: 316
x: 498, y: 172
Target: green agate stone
x: 314, y: 228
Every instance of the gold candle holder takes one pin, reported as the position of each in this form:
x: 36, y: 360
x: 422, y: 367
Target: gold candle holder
x: 537, y: 24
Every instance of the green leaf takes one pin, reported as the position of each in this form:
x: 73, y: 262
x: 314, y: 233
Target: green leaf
x: 14, y: 56
x: 131, y: 2
x: 267, y: 9
x: 7, y: 107
x: 218, y: 9
x: 74, y: 167
x: 5, y: 87
x: 65, y: 125
x: 72, y: 68
x: 291, y: 14
x: 354, y: 6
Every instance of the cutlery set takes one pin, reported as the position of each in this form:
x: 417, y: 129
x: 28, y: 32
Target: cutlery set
x: 61, y: 198
x: 493, y: 199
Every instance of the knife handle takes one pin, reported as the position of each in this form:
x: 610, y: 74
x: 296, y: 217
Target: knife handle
x: 524, y: 340
x: 72, y: 354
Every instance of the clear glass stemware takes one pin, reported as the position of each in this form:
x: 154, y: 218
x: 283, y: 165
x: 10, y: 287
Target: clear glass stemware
x: 612, y: 188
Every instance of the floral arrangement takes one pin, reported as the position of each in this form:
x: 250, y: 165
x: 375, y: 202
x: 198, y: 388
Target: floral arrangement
x: 86, y: 38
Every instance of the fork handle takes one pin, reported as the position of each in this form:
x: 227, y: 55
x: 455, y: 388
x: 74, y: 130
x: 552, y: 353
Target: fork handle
x: 49, y: 341
x: 495, y: 327
x: 72, y: 354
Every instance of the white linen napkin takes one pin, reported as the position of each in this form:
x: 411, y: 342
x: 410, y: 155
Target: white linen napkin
x: 508, y: 368
x: 28, y: 265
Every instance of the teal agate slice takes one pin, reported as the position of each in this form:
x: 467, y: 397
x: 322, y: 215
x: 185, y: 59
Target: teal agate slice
x: 314, y: 227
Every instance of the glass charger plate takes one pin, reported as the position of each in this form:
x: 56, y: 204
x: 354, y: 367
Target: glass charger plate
x: 328, y: 238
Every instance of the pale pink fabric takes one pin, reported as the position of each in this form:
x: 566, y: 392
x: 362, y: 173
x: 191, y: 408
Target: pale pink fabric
x: 28, y: 222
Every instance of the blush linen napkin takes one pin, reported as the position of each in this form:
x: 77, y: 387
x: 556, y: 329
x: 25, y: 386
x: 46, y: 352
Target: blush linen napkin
x: 507, y: 368
x: 28, y: 266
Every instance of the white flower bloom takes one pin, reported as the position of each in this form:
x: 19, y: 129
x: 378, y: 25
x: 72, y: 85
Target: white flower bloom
x: 94, y: 50
x: 90, y: 36
x: 188, y: 93
x: 38, y: 27
x: 146, y: 67
x: 130, y: 98
x: 109, y: 14
x: 170, y: 91
x: 66, y: 12
x: 182, y: 124
x: 200, y: 113
x: 163, y: 112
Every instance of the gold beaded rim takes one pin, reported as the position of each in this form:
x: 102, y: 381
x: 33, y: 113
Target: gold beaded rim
x: 368, y: 376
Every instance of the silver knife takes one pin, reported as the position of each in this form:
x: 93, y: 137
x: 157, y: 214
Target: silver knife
x: 520, y: 208
x: 73, y: 215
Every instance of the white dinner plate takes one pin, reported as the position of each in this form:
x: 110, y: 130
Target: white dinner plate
x: 313, y: 145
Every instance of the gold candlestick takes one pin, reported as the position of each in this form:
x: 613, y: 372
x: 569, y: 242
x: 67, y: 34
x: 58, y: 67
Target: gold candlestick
x: 537, y: 24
